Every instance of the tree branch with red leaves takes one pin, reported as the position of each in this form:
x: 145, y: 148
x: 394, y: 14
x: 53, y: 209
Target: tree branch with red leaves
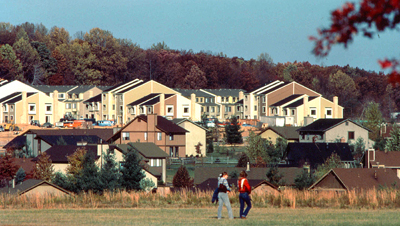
x: 369, y: 17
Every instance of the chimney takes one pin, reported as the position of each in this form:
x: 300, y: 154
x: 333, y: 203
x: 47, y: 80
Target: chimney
x: 151, y: 124
x: 305, y: 106
x: 55, y: 117
x: 24, y: 116
x: 248, y: 167
x: 193, y: 106
x: 162, y: 104
x: 336, y: 107
x: 241, y: 95
x: 13, y: 183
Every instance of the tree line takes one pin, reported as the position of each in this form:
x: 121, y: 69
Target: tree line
x: 33, y: 54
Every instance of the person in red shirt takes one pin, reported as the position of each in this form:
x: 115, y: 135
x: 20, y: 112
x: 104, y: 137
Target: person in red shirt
x: 244, y: 196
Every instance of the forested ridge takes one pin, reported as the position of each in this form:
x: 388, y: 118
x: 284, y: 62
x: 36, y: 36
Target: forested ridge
x: 36, y: 55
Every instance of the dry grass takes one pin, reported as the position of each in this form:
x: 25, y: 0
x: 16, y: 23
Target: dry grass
x: 289, y: 198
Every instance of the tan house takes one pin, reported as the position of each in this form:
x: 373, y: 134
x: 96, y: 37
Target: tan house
x: 34, y: 187
x: 257, y: 102
x: 264, y: 188
x: 23, y: 107
x: 117, y: 101
x: 334, y: 130
x: 168, y: 136
x: 196, y: 134
x: 289, y: 133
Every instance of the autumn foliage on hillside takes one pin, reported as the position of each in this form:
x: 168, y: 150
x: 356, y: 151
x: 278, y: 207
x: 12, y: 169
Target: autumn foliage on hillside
x: 33, y: 54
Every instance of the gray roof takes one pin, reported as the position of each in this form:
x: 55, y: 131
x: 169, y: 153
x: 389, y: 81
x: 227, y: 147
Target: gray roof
x: 29, y: 185
x: 287, y: 132
x: 181, y: 120
x: 50, y: 89
x: 225, y: 92
x: 81, y: 89
x: 147, y: 150
x: 198, y: 93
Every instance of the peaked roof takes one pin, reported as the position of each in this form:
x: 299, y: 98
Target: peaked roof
x: 316, y: 153
x: 18, y: 97
x: 182, y: 120
x: 197, y: 92
x: 325, y: 124
x: 28, y: 185
x: 50, y: 89
x: 147, y: 150
x: 165, y: 124
x: 69, y: 139
x: 286, y: 100
x: 17, y: 143
x: 225, y: 92
x: 287, y: 132
x: 103, y: 133
x: 360, y: 178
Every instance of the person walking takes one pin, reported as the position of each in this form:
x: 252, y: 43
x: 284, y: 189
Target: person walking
x: 224, y: 189
x: 244, y: 196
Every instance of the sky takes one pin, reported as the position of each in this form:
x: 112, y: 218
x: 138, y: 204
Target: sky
x: 242, y: 28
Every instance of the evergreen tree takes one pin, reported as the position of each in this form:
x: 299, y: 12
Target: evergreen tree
x: 20, y: 176
x: 109, y: 174
x: 243, y: 160
x: 89, y: 178
x: 210, y: 147
x: 257, y: 149
x: 131, y: 172
x: 233, y: 134
x: 44, y: 169
x: 182, y: 179
x: 374, y: 119
x: 146, y: 184
x: 394, y: 143
x: 274, y: 177
x: 303, y: 180
x: 75, y: 161
x: 64, y: 181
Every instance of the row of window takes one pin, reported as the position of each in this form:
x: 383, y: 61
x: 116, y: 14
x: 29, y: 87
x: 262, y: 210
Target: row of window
x: 126, y: 136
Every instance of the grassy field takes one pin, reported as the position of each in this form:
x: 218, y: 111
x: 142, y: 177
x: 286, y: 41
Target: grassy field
x: 197, y: 216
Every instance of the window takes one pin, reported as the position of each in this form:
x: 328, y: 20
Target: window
x: 328, y: 112
x: 229, y: 109
x: 245, y: 107
x: 104, y: 107
x: 87, y: 106
x: 263, y: 99
x: 121, y: 108
x: 171, y: 137
x: 104, y: 117
x: 48, y: 109
x: 351, y: 135
x: 96, y: 106
x: 293, y: 112
x: 176, y: 151
x: 125, y: 136
x: 87, y: 115
x: 149, y: 110
x: 263, y: 109
x: 32, y: 108
x: 70, y: 96
x: 245, y: 98
x: 285, y: 112
x: 255, y: 107
x: 159, y: 136
x: 142, y: 110
x: 120, y: 97
x: 5, y: 108
x: 170, y: 110
x: 201, y: 100
x: 11, y: 107
x: 206, y: 99
x: 113, y: 106
x: 212, y: 109
x: 185, y: 110
x: 222, y: 99
x: 313, y: 112
x: 61, y: 95
x: 171, y: 151
x: 134, y: 110
x: 197, y: 99
x: 145, y: 135
x: 208, y: 109
x: 104, y: 96
x: 48, y: 119
x: 155, y: 162
x: 74, y: 106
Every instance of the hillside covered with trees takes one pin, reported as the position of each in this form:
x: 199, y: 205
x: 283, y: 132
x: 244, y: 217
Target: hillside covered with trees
x: 35, y: 54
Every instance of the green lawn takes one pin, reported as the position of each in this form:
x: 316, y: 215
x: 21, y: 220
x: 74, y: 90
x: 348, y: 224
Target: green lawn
x: 200, y: 216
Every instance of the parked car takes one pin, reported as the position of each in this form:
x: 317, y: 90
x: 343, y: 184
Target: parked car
x: 67, y: 124
x: 35, y: 122
x: 74, y: 124
x: 104, y: 123
x: 47, y: 125
x: 1, y: 129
